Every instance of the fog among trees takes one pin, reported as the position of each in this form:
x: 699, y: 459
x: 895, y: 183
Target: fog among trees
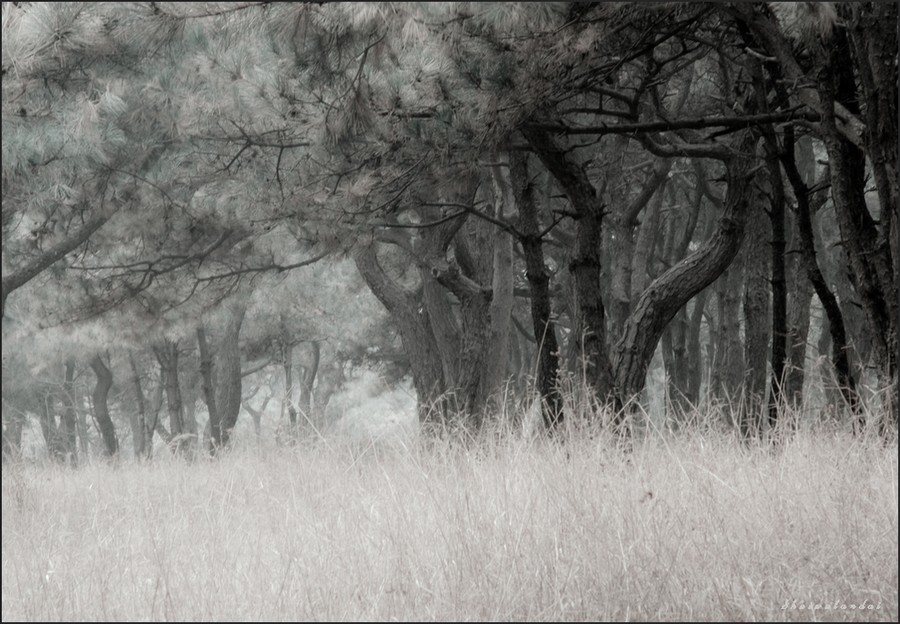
x: 255, y: 222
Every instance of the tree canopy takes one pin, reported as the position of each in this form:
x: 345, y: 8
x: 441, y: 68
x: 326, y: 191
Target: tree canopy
x: 544, y: 196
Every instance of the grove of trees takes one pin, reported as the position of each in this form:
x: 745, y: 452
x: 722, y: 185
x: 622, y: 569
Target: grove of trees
x: 211, y: 210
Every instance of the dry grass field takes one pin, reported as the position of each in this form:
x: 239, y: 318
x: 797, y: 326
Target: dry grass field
x: 686, y: 527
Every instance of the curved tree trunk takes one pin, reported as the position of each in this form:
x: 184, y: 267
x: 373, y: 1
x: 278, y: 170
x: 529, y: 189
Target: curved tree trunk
x: 673, y: 289
x: 415, y: 333
x: 100, y: 399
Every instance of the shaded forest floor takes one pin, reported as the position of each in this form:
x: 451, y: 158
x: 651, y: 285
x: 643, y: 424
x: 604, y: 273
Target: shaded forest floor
x: 681, y: 527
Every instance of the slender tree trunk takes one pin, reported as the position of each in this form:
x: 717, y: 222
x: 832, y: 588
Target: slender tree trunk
x: 779, y: 328
x: 209, y: 396
x: 757, y: 319
x: 100, y: 399
x: 694, y: 351
x: 727, y: 374
x: 539, y: 282
x: 70, y: 418
x: 497, y: 347
x: 228, y: 371
x: 308, y: 379
x: 167, y: 355
x: 53, y: 436
x: 12, y: 435
x: 138, y: 419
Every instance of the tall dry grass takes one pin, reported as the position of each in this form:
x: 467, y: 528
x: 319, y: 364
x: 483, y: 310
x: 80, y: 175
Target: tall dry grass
x: 686, y: 527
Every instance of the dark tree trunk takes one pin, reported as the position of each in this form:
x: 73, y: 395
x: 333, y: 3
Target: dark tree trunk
x: 286, y: 347
x: 308, y: 378
x: 495, y: 375
x: 141, y: 433
x: 70, y: 419
x: 100, y: 399
x: 209, y: 396
x: 865, y: 243
x: 694, y: 352
x: 49, y: 430
x: 167, y: 355
x: 757, y: 319
x: 539, y: 283
x: 228, y: 372
x: 727, y: 365
x: 874, y: 35
x: 779, y: 284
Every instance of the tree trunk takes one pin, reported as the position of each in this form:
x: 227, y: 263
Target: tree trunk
x: 497, y: 356
x: 167, y: 355
x: 228, y: 371
x: 757, y: 319
x: 12, y: 434
x: 100, y: 398
x: 779, y: 328
x: 70, y: 418
x: 415, y: 333
x: 140, y: 435
x: 53, y: 435
x: 444, y: 325
x: 308, y: 379
x: 209, y: 396
x: 727, y: 366
x: 539, y: 282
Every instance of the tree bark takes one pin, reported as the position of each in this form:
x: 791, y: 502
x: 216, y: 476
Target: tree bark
x: 209, y: 396
x: 100, y: 398
x: 866, y: 248
x: 227, y: 365
x: 53, y: 436
x: 141, y: 435
x: 167, y: 355
x: 415, y: 333
x: 308, y: 379
x: 498, y: 350
x: 69, y: 422
x: 757, y: 319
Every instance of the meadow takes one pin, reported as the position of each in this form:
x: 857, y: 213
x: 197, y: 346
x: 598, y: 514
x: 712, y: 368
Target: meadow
x: 687, y: 526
